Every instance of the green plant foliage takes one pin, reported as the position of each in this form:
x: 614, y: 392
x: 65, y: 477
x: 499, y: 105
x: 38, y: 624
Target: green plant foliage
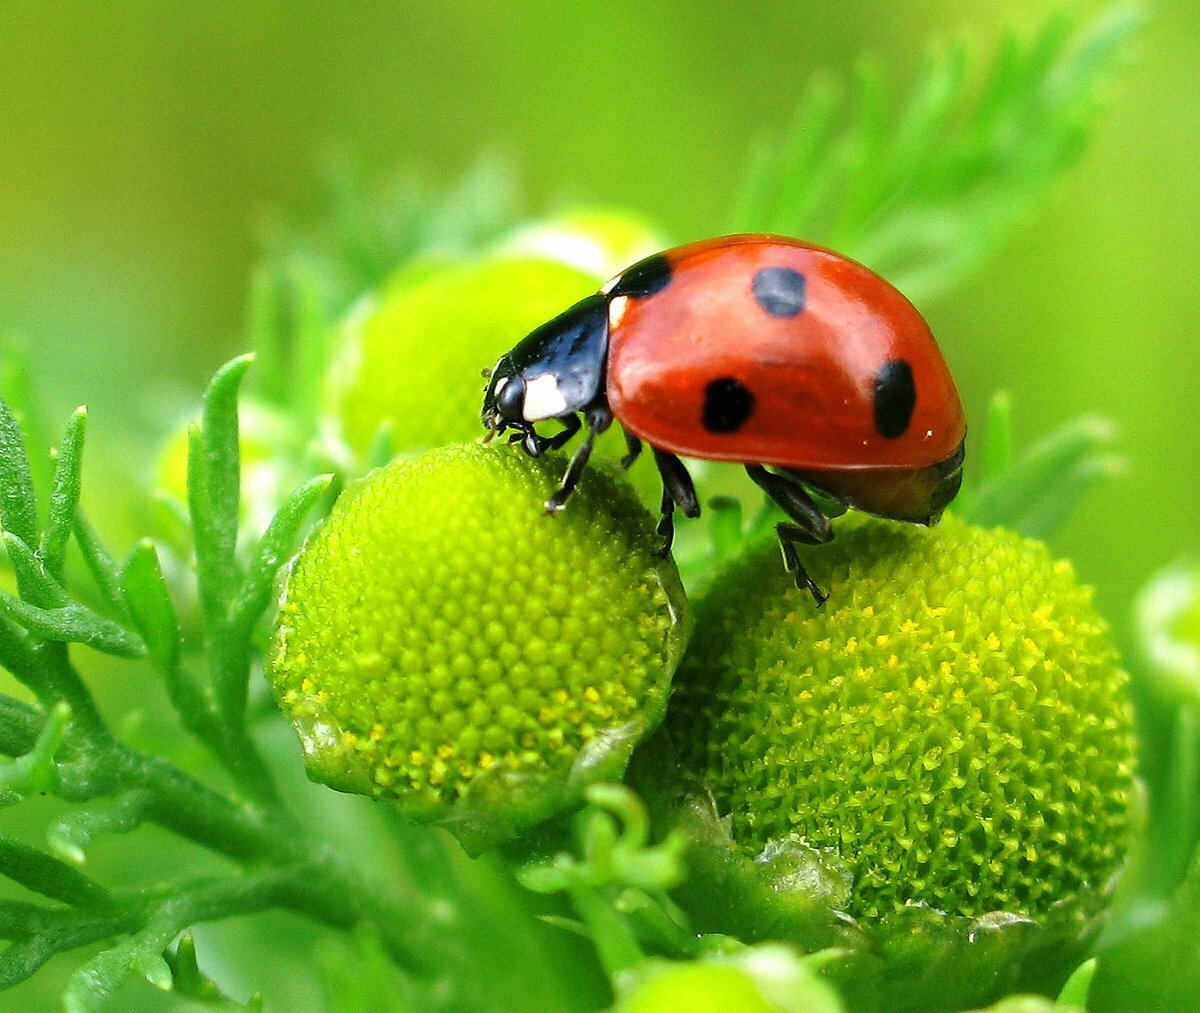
x: 923, y: 189
x: 438, y: 623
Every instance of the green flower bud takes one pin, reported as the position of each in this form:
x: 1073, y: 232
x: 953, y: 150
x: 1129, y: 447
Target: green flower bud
x: 443, y: 642
x: 933, y: 771
x: 410, y: 359
x: 1168, y: 614
x: 599, y: 241
x: 952, y: 726
x: 758, y: 979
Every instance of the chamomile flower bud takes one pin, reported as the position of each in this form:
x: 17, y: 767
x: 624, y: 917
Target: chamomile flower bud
x: 951, y: 730
x: 409, y: 358
x: 444, y: 643
x: 768, y: 978
x: 1168, y: 615
x: 600, y: 241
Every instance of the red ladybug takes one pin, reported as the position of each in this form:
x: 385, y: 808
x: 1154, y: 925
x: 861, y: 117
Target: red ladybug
x: 759, y: 349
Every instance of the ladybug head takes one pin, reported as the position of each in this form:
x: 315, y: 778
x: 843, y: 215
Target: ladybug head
x: 504, y: 397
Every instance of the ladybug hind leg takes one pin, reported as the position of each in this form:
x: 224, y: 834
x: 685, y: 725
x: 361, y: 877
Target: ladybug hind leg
x: 678, y: 490
x: 811, y: 526
x: 599, y: 418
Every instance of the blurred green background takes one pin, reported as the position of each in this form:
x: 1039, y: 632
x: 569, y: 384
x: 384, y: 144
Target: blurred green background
x: 144, y: 147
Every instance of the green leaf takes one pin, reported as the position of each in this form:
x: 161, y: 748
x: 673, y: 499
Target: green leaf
x: 100, y: 564
x: 64, y: 496
x: 39, y: 872
x: 93, y: 983
x: 149, y: 602
x: 34, y: 771
x: 18, y: 506
x: 73, y: 624
x: 17, y: 390
x: 37, y: 586
x: 1152, y: 964
x: 1075, y: 991
x: 1041, y: 488
x: 70, y: 835
x: 996, y: 445
x: 922, y: 190
x: 214, y: 474
x: 274, y: 550
x: 19, y: 726
x: 310, y: 341
x: 187, y: 979
x: 265, y: 331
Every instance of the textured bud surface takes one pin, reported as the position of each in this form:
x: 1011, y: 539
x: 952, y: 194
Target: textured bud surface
x: 411, y: 359
x: 953, y: 723
x: 445, y: 642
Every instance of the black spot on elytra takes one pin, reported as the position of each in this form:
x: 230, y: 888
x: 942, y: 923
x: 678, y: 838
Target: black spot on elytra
x: 645, y: 278
x: 727, y: 405
x: 779, y: 291
x: 895, y: 397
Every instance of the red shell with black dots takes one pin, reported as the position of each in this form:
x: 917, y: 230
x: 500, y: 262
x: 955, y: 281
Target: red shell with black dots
x: 762, y: 349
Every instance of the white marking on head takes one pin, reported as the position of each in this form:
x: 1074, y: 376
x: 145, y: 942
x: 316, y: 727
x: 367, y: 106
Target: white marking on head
x: 500, y: 385
x: 543, y: 399
x: 616, y: 311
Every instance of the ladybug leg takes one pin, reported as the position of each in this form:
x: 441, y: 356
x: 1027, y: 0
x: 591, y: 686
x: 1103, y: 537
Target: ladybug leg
x: 599, y: 418
x: 634, y: 447
x: 677, y: 489
x: 794, y: 502
x: 571, y: 426
x: 811, y: 526
x: 789, y: 536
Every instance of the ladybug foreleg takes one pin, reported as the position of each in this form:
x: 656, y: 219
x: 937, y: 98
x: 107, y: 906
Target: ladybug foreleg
x: 599, y: 418
x: 571, y: 425
x: 677, y: 489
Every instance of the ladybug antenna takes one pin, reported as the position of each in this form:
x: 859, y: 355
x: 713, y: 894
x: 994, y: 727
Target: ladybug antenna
x: 486, y: 373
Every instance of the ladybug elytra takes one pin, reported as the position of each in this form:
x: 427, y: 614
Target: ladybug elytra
x: 797, y: 362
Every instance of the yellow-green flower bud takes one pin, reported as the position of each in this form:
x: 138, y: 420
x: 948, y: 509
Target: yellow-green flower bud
x: 410, y: 358
x: 1168, y: 614
x: 759, y: 979
x: 443, y: 642
x: 601, y: 241
x: 951, y: 730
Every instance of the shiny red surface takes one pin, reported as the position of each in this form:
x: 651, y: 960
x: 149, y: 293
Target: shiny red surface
x: 812, y: 375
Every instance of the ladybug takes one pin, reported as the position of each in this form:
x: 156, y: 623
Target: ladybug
x: 793, y: 360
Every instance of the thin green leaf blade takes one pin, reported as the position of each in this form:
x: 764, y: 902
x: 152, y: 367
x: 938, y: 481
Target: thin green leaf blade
x: 20, y: 725
x: 100, y: 564
x: 44, y: 874
x: 18, y: 505
x: 73, y: 624
x: 36, y: 585
x: 214, y: 471
x: 64, y: 495
x: 996, y: 446
x: 264, y: 325
x: 148, y: 599
x: 1044, y: 485
x: 922, y: 190
x: 274, y: 550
